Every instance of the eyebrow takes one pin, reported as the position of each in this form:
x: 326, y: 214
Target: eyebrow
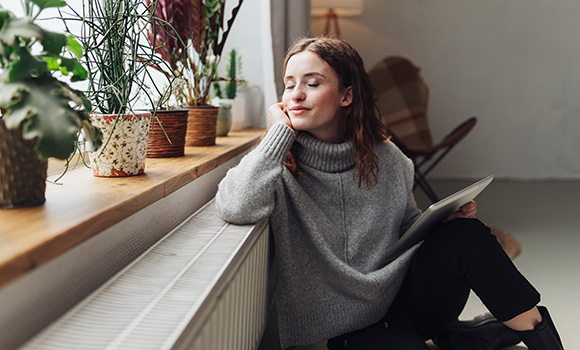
x: 310, y: 74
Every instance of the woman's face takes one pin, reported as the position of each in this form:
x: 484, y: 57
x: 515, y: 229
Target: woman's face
x: 312, y: 97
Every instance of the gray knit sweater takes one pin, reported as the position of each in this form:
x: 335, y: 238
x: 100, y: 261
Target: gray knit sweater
x: 330, y: 235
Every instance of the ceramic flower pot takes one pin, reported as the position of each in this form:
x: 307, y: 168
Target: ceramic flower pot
x: 167, y: 134
x: 224, y: 120
x: 124, y: 144
x: 238, y: 111
x: 22, y: 173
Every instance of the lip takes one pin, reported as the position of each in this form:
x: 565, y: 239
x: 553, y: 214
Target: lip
x: 299, y: 109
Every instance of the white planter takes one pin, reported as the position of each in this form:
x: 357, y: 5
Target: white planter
x: 124, y: 148
x: 238, y: 111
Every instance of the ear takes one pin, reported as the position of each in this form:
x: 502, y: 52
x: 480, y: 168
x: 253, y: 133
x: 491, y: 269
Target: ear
x: 346, y: 97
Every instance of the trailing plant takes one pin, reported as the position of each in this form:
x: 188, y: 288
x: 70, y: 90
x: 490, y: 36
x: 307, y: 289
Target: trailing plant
x: 233, y: 71
x: 190, y: 36
x: 47, y: 109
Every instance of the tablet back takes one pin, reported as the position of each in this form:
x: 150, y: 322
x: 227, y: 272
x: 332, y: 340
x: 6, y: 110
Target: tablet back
x: 435, y: 215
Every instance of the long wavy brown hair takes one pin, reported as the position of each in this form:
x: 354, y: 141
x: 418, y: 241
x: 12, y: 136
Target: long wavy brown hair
x: 362, y: 124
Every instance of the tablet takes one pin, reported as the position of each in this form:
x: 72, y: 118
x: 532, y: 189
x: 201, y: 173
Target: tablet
x: 435, y: 215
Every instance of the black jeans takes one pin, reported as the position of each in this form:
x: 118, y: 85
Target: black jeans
x: 458, y: 256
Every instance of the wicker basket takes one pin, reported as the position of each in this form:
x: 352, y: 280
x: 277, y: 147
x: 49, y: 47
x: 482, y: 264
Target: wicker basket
x: 22, y: 173
x: 174, y: 123
x: 201, y: 126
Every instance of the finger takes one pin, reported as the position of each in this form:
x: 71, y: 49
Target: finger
x: 463, y: 213
x: 276, y: 114
x: 469, y: 206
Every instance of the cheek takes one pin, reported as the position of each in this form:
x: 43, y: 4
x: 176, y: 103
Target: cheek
x: 285, y: 98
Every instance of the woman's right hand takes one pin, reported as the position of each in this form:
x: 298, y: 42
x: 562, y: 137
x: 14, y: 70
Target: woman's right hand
x: 277, y: 114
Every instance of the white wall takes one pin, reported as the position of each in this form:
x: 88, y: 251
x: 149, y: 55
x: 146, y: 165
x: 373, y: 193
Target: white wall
x: 251, y: 36
x: 514, y: 64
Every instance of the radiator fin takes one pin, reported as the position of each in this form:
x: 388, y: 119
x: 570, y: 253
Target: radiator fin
x: 203, y: 286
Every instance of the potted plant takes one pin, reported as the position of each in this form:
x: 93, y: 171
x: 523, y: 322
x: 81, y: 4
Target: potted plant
x: 228, y: 96
x: 191, y: 39
x: 117, y: 58
x: 167, y: 136
x: 41, y: 115
x: 167, y: 133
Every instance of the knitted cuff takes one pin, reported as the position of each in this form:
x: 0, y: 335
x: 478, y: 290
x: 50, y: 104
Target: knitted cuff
x: 277, y: 142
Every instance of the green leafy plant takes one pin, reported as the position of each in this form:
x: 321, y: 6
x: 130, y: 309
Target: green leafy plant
x: 233, y: 71
x: 190, y: 36
x: 49, y: 110
x: 113, y: 34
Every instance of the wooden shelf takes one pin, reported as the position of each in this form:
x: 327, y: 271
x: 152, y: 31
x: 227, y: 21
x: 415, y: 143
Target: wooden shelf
x: 85, y: 205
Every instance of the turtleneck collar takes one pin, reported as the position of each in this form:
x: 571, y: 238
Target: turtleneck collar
x: 326, y: 157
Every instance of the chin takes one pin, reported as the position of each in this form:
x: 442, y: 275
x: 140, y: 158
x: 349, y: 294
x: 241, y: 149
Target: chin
x: 297, y: 123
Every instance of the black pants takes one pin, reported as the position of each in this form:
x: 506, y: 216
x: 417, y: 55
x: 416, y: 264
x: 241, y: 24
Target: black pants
x: 458, y: 256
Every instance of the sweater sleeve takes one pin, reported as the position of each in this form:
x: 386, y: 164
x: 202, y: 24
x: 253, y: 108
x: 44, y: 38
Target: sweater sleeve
x: 246, y: 194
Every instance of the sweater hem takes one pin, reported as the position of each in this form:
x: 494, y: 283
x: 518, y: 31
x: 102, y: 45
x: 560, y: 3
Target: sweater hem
x: 328, y: 318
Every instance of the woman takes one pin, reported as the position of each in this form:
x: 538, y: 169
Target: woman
x: 338, y: 194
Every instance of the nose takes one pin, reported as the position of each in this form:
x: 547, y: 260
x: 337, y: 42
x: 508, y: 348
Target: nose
x: 298, y: 94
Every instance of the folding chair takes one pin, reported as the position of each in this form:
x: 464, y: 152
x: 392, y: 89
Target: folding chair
x: 402, y: 99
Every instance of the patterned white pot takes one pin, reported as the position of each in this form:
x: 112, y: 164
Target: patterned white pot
x: 124, y: 144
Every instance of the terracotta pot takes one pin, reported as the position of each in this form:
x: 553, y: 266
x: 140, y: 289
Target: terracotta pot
x: 201, y: 125
x: 124, y: 144
x: 22, y: 173
x: 167, y: 134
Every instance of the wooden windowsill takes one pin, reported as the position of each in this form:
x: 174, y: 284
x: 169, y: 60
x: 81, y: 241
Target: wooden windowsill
x: 86, y: 205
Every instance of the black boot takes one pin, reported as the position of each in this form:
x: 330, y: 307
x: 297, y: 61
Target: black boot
x: 544, y: 336
x: 484, y: 332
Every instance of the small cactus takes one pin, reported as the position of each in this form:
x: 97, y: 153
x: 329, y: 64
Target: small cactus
x: 235, y: 64
x: 233, y: 71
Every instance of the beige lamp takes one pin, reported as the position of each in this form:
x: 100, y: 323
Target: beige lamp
x: 331, y: 9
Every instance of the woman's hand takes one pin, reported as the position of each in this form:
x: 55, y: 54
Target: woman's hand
x: 466, y: 211
x: 277, y: 114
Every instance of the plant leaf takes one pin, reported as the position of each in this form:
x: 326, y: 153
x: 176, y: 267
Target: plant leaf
x: 26, y: 66
x: 15, y: 29
x: 195, y: 23
x: 52, y: 63
x: 42, y: 104
x: 5, y: 15
x: 217, y: 50
x: 92, y: 135
x: 66, y: 66
x: 49, y: 3
x: 73, y: 46
x: 71, y: 65
x: 53, y: 43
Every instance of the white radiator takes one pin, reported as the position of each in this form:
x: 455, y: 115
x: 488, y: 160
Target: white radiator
x: 206, y: 285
